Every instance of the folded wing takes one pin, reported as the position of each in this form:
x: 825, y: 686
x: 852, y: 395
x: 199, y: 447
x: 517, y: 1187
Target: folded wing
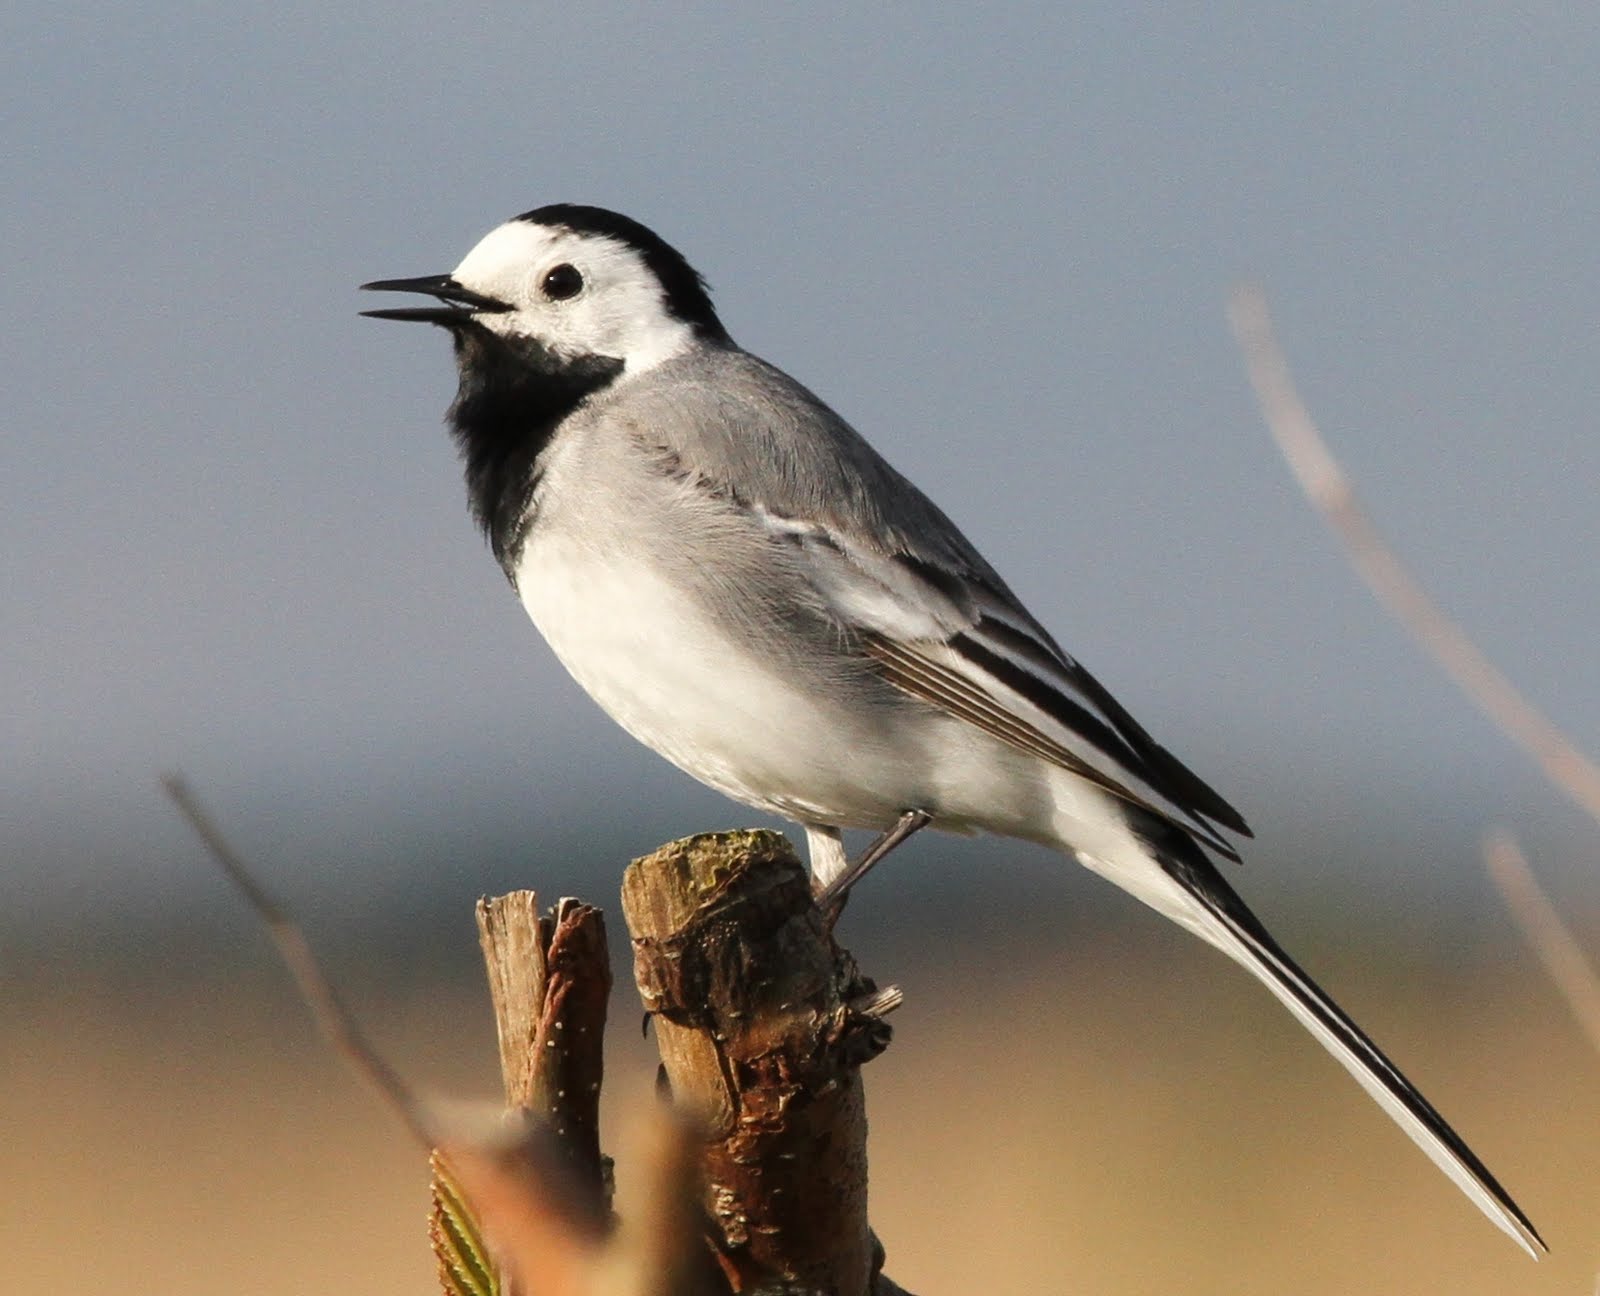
x: 957, y: 638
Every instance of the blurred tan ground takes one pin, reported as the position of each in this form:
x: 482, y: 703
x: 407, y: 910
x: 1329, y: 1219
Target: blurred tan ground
x: 1133, y: 1118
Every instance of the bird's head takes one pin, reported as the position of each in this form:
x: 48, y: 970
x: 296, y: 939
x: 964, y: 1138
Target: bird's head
x: 577, y: 283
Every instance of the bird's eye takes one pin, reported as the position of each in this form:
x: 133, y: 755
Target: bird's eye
x: 562, y: 282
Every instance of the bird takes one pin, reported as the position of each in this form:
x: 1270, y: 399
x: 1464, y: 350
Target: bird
x: 746, y: 586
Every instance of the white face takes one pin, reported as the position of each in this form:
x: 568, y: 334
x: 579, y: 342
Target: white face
x: 605, y: 301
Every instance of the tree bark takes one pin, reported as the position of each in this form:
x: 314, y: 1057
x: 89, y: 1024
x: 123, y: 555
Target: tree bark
x: 763, y: 1024
x: 550, y: 978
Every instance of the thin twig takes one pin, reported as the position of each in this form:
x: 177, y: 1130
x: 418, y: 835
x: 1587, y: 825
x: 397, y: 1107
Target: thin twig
x: 1328, y: 488
x: 1541, y: 925
x: 332, y: 1017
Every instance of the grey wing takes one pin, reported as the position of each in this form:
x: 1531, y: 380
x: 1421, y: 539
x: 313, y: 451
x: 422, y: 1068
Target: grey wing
x: 907, y: 587
x: 967, y: 646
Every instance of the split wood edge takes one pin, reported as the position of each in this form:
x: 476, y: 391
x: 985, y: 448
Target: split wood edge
x: 757, y: 1178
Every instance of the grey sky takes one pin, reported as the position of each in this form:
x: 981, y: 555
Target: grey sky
x: 232, y: 533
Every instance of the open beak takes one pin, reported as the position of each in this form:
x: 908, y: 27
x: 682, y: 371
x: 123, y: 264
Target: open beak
x: 458, y: 304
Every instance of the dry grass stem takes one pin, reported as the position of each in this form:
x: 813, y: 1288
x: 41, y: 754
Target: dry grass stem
x: 334, y: 1020
x: 1328, y: 488
x: 1541, y: 925
x: 533, y: 1205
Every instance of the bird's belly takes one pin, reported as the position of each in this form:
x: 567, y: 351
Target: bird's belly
x: 720, y: 701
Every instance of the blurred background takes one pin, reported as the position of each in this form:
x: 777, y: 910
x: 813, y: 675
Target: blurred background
x: 233, y: 542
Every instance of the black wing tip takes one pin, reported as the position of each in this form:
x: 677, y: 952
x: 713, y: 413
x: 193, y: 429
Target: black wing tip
x: 1218, y: 845
x: 1200, y: 795
x: 1113, y: 731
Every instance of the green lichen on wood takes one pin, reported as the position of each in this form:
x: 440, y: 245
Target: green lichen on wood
x: 692, y: 872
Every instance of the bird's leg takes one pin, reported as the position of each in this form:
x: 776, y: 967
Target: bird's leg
x: 832, y: 896
x: 825, y: 846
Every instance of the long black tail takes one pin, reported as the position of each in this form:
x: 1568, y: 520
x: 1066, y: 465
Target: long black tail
x: 1222, y: 918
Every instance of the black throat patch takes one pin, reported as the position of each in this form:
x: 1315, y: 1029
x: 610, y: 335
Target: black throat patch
x: 514, y: 393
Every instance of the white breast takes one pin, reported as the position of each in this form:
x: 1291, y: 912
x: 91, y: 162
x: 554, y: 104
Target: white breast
x: 697, y: 692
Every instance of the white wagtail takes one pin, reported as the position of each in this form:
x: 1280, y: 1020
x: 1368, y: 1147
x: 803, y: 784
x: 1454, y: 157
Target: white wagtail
x: 748, y: 588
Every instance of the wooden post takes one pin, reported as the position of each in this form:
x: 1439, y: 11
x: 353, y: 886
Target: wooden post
x: 550, y: 978
x: 763, y: 1024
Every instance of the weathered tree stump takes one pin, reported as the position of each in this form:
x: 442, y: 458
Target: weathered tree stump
x: 763, y: 1024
